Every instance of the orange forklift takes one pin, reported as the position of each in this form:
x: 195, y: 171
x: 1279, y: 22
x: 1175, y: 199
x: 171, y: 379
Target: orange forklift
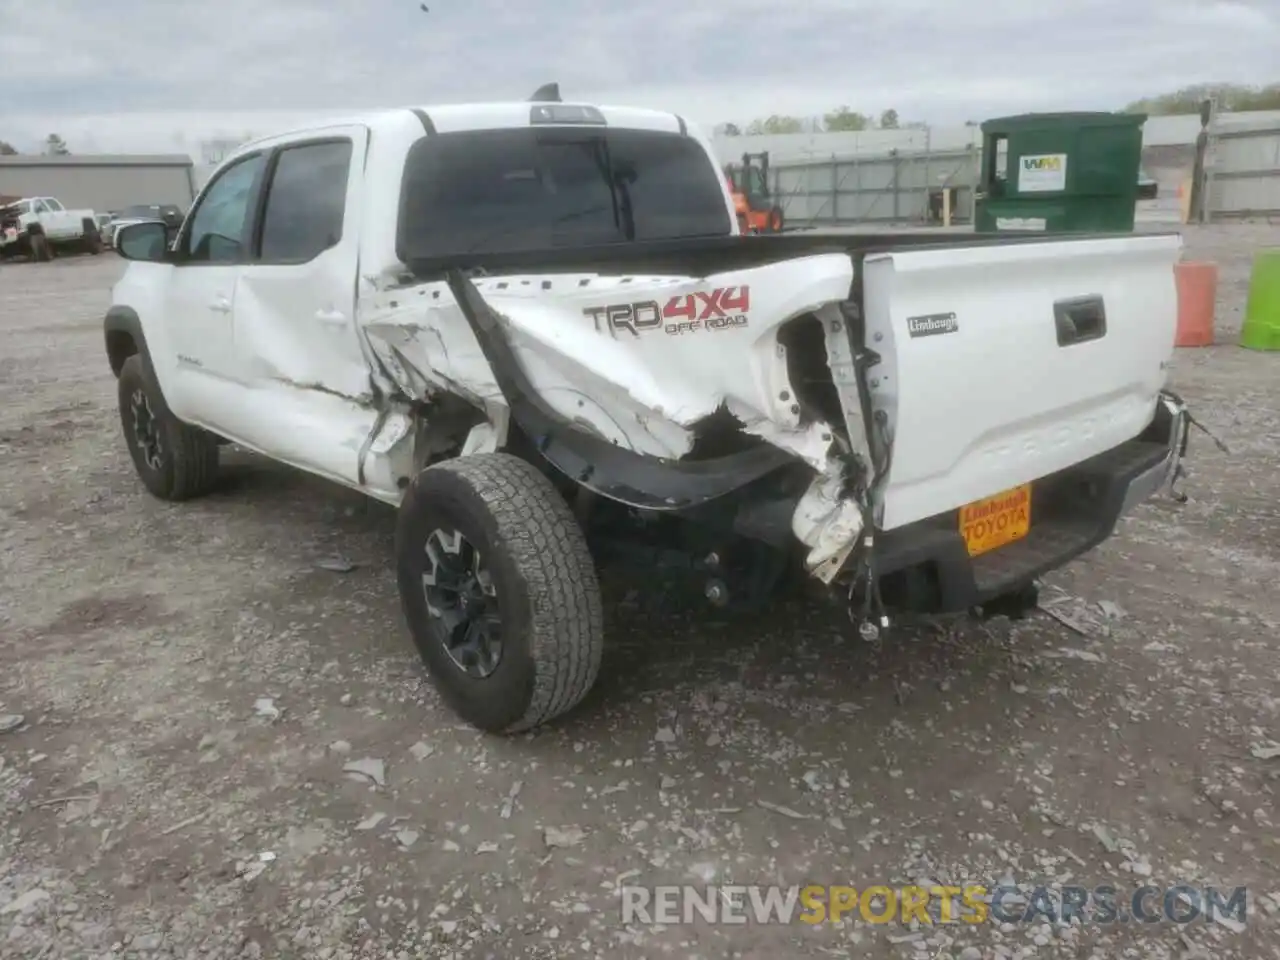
x: 749, y: 185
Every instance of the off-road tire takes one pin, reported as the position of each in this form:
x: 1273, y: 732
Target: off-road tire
x: 543, y: 579
x: 92, y: 238
x: 41, y: 248
x: 186, y: 462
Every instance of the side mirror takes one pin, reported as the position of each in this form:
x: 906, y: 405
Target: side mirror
x: 148, y: 242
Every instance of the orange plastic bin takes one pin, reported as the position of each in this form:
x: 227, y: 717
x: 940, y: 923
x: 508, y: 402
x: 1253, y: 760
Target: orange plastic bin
x: 1197, y: 283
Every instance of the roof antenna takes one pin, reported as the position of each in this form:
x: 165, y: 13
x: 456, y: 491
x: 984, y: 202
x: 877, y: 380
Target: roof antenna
x: 547, y: 93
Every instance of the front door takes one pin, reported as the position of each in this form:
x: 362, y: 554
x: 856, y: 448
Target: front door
x: 200, y: 296
x: 57, y: 223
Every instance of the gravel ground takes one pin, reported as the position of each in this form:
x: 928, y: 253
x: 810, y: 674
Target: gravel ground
x: 191, y: 686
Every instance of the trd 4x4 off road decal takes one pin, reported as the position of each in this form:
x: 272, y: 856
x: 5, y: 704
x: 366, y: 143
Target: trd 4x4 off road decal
x: 718, y: 309
x: 632, y: 317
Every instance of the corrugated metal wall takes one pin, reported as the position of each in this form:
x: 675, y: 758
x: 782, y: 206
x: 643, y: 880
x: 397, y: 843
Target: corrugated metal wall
x: 1243, y: 170
x: 100, y: 182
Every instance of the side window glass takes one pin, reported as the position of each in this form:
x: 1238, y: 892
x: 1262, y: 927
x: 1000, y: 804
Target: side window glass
x: 53, y: 205
x: 39, y: 207
x: 220, y: 225
x: 305, y: 202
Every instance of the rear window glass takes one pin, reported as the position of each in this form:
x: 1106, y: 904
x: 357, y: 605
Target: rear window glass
x: 504, y: 191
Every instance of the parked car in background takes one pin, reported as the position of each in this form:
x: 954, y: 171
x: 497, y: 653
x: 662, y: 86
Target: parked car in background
x: 170, y: 213
x: 104, y: 223
x: 35, y: 226
x: 1148, y: 186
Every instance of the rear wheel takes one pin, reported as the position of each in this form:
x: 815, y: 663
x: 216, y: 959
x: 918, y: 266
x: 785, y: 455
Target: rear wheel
x: 499, y: 591
x: 174, y: 460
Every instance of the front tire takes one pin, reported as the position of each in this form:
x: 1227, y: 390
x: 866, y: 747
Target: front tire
x: 499, y: 591
x: 174, y: 460
x: 41, y: 249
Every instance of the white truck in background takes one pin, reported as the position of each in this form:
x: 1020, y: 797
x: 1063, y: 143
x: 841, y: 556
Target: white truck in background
x: 535, y: 329
x: 36, y: 227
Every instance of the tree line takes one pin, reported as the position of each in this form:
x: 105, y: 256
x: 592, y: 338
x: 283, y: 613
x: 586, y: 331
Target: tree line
x: 1229, y: 96
x: 842, y: 120
x: 54, y: 146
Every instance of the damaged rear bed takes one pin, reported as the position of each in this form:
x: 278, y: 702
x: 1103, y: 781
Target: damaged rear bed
x: 836, y: 386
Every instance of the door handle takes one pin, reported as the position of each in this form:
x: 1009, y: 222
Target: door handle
x: 1079, y: 320
x: 331, y: 316
x: 220, y: 304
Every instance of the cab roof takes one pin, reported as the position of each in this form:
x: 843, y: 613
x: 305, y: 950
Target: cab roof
x: 516, y: 114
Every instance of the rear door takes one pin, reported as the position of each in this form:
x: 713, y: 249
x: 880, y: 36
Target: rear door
x: 1005, y: 363
x: 308, y: 396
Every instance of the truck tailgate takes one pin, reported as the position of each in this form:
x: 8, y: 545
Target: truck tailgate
x: 1003, y: 364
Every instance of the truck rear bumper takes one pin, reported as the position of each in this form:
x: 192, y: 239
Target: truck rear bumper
x: 925, y: 566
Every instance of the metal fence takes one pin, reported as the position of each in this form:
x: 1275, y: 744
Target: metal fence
x: 1243, y: 171
x: 891, y: 188
x: 786, y: 147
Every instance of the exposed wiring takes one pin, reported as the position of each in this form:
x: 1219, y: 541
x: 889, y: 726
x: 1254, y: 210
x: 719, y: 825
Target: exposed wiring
x: 873, y: 608
x: 871, y: 617
x: 1205, y: 430
x: 1186, y: 412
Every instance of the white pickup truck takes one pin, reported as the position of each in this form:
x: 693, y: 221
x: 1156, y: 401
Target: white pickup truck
x: 534, y: 329
x: 36, y: 226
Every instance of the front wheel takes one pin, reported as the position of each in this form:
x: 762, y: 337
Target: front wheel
x: 499, y: 591
x: 41, y: 249
x: 174, y: 460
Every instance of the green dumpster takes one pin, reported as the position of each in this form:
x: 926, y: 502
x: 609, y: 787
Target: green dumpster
x: 1060, y: 173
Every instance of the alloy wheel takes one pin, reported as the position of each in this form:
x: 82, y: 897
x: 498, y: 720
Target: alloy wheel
x: 463, y: 603
x: 146, y: 430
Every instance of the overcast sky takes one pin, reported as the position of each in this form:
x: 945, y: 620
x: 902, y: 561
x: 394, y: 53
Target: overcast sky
x: 160, y: 75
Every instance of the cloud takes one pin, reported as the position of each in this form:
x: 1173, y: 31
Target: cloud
x: 147, y: 75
